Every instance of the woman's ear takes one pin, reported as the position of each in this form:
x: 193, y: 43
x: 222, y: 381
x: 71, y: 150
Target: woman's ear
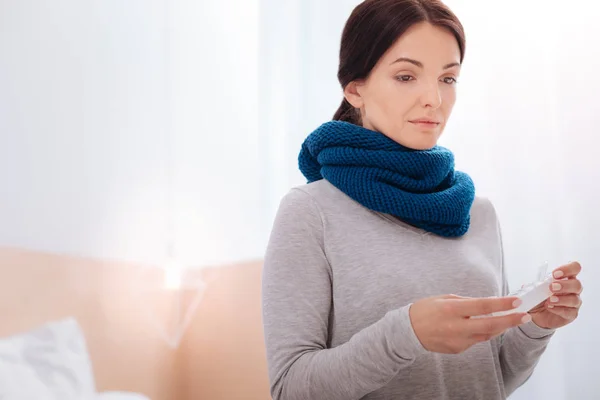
x: 352, y: 92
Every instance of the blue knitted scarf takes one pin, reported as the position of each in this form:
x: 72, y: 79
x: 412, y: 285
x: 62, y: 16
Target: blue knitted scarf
x: 420, y: 187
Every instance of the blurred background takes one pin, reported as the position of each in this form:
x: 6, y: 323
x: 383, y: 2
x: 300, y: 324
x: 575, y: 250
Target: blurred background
x: 145, y: 145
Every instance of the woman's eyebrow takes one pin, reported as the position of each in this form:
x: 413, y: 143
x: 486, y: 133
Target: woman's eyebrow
x: 420, y: 64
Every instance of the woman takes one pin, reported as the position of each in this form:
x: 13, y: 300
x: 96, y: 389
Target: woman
x: 362, y: 259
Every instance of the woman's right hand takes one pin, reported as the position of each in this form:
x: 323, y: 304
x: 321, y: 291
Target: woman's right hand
x: 443, y: 324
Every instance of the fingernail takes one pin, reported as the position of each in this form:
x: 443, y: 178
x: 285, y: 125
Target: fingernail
x: 554, y: 299
x: 517, y: 303
x: 558, y: 274
x: 550, y: 306
x: 526, y: 319
x: 556, y: 287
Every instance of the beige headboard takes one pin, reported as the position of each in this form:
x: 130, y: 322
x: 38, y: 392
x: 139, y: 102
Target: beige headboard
x: 221, y: 355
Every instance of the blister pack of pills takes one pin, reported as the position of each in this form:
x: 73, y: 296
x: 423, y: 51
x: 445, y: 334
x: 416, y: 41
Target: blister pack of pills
x: 533, y: 293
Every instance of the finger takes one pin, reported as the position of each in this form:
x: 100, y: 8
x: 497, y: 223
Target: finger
x: 569, y: 300
x: 479, y: 337
x: 571, y: 286
x: 567, y: 313
x: 449, y: 296
x: 567, y: 271
x: 485, y: 338
x: 541, y: 306
x: 495, y: 325
x: 484, y: 306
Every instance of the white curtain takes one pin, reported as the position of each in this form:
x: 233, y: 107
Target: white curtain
x: 525, y: 128
x: 127, y: 127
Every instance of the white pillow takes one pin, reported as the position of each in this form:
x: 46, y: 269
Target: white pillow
x: 47, y: 363
x: 121, y: 396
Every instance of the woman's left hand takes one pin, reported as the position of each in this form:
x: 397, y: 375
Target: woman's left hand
x: 563, y: 307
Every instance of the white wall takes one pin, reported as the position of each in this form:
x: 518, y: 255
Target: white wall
x: 93, y: 94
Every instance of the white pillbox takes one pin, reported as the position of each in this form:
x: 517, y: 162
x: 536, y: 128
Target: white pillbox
x: 531, y: 295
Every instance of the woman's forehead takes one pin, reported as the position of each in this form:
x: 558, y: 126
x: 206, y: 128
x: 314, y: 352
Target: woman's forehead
x: 431, y: 46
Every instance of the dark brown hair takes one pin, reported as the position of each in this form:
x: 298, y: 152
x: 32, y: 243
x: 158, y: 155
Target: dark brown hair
x: 373, y: 27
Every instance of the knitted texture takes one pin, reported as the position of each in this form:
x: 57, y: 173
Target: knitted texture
x: 420, y: 187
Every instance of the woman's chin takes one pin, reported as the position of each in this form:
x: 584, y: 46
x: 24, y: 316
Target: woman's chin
x: 415, y: 140
x: 419, y: 144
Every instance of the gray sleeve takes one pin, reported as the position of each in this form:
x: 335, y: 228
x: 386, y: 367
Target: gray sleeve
x: 522, y: 346
x: 297, y: 302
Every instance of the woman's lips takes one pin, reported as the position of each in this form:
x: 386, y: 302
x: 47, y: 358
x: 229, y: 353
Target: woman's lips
x: 425, y: 124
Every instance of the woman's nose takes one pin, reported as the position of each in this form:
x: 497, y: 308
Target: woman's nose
x: 431, y: 96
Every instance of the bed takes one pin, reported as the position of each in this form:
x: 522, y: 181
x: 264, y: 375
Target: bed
x: 51, y: 362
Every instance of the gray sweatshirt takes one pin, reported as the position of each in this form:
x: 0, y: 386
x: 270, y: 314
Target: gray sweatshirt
x: 338, y: 281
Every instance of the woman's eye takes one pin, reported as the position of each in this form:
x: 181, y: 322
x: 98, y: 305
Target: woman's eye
x: 450, y: 80
x: 404, y: 78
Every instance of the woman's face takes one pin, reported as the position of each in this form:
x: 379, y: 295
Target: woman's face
x: 410, y: 92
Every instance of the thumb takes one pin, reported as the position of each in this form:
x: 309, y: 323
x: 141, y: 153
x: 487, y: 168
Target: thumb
x: 451, y: 297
